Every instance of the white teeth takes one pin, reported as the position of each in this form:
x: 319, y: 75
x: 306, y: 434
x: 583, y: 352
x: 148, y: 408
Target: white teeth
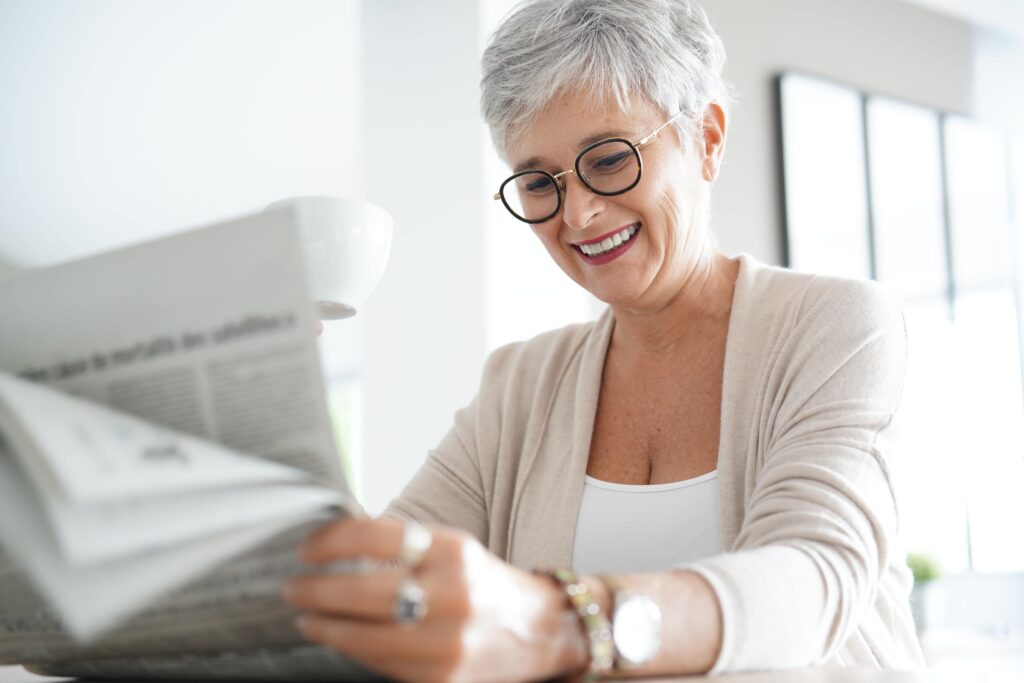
x: 609, y: 243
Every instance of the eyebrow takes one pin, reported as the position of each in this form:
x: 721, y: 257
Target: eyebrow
x: 536, y: 162
x: 602, y: 136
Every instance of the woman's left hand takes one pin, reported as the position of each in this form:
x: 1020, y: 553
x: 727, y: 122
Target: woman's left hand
x: 484, y: 620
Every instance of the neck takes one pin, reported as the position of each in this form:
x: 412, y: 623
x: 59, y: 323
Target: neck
x: 703, y: 301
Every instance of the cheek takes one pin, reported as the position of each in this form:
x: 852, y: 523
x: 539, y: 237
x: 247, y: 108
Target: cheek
x: 665, y: 213
x: 548, y: 236
x: 677, y: 208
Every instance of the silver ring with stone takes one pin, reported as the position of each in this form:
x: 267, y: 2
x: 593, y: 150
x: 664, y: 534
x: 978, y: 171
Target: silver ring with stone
x: 410, y: 603
x: 416, y: 540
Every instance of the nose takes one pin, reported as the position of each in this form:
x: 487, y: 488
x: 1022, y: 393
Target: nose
x: 579, y: 205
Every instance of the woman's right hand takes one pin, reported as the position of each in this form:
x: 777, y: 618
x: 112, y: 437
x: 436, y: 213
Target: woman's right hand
x: 484, y: 619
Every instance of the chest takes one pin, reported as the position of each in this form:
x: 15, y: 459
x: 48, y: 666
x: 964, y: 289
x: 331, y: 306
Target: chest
x: 660, y: 423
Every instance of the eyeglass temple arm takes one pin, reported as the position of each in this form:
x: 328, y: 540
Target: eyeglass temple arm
x: 650, y: 137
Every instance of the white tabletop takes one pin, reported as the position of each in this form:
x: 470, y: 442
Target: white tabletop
x: 16, y: 674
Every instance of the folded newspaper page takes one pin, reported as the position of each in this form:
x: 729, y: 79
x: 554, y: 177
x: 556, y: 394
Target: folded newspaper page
x: 91, y: 599
x: 165, y: 446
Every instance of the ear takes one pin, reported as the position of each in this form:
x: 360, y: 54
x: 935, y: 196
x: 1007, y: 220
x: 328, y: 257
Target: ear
x: 714, y: 126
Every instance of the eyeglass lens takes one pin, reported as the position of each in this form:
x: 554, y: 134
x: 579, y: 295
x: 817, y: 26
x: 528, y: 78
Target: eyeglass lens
x: 607, y: 168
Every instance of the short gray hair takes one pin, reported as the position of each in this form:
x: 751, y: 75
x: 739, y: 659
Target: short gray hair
x: 661, y: 51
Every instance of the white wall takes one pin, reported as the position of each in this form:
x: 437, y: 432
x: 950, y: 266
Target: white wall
x: 7, y: 270
x: 1005, y: 16
x: 877, y: 45
x: 424, y: 326
x: 124, y: 119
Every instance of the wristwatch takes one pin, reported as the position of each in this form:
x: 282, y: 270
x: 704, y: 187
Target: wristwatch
x: 636, y: 629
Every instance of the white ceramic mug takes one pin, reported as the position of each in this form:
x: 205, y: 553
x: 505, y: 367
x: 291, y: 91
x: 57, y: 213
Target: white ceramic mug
x: 346, y: 243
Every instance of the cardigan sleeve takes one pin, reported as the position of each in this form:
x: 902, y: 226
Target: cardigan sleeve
x: 820, y: 522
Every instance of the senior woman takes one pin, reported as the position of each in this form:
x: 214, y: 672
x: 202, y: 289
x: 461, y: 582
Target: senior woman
x: 710, y: 455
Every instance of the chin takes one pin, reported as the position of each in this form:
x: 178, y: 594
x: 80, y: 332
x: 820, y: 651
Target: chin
x: 621, y: 290
x: 616, y: 296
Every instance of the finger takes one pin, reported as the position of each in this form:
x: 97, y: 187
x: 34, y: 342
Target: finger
x: 366, y: 596
x: 355, y: 597
x: 354, y: 538
x: 367, y: 641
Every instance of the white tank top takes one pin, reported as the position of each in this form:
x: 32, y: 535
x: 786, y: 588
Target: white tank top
x: 625, y: 528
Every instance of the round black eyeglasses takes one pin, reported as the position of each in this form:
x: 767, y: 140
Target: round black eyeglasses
x: 607, y: 168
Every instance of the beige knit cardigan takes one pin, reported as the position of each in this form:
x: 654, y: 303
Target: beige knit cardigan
x: 814, y: 368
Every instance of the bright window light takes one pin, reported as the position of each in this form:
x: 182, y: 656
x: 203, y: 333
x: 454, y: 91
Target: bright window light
x: 826, y: 187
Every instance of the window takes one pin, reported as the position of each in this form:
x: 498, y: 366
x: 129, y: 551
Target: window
x: 922, y: 202
x: 823, y: 161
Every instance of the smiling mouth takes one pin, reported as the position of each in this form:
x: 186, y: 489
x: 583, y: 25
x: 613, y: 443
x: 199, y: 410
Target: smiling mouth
x: 609, y: 244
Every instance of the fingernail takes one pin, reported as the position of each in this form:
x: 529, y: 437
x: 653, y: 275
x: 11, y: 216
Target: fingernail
x: 290, y: 592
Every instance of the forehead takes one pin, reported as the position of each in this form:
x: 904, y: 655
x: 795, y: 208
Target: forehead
x: 573, y: 120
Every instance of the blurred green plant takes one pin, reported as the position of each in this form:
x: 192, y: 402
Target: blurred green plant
x: 344, y: 404
x: 924, y: 567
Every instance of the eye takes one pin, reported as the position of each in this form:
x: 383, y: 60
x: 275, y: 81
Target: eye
x: 609, y: 163
x: 538, y: 185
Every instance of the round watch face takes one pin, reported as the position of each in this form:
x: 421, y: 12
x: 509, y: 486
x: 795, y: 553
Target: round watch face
x: 636, y: 629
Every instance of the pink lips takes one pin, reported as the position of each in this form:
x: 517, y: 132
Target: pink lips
x: 608, y: 256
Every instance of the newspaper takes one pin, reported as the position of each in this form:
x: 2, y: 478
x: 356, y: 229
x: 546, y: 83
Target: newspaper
x: 210, y: 334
